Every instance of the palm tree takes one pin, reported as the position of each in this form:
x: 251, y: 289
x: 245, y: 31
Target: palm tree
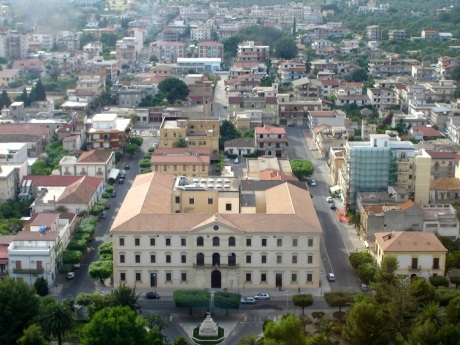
x: 326, y: 329
x: 57, y: 320
x: 431, y: 313
x: 251, y: 340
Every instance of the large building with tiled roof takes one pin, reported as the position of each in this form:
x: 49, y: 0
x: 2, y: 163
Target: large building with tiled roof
x: 35, y: 136
x: 181, y: 161
x: 206, y: 233
x: 419, y: 254
x: 94, y: 163
x: 271, y: 141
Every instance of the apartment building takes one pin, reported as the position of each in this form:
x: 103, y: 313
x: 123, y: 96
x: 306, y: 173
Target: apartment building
x: 445, y: 66
x: 188, y: 233
x: 374, y: 33
x: 182, y: 161
x: 198, y: 133
x: 397, y: 34
x: 290, y: 70
x: 210, y: 49
x: 248, y: 51
x: 36, y: 251
x: 419, y: 254
x: 382, y: 98
x: 271, y: 141
x: 108, y: 132
x: 388, y: 67
x: 169, y: 52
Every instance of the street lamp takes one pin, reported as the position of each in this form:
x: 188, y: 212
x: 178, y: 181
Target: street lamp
x: 287, y: 301
x: 238, y: 281
x: 321, y: 283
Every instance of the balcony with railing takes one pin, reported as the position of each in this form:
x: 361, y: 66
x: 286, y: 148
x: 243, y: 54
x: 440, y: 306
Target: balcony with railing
x: 28, y: 270
x: 414, y: 268
x: 216, y: 266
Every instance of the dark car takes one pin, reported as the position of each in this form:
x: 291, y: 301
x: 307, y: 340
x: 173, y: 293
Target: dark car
x: 152, y: 295
x: 364, y: 287
x: 114, y: 194
x: 127, y: 167
x: 121, y: 180
x: 107, y: 207
x: 332, y: 206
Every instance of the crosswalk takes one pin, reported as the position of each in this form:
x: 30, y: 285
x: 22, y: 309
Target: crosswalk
x: 260, y: 318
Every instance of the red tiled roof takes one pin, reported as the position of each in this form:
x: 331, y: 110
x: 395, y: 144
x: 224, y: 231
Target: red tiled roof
x: 275, y: 175
x: 269, y: 130
x: 428, y: 131
x: 70, y: 138
x: 62, y: 181
x: 95, y: 156
x: 271, y: 100
x: 442, y: 155
x: 28, y: 63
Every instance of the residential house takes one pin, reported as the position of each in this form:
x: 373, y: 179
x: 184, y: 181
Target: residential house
x: 419, y: 254
x: 71, y: 143
x: 425, y: 133
x: 441, y: 219
x: 95, y: 163
x: 382, y: 98
x: 5, y: 241
x: 240, y: 146
x: 30, y: 66
x: 397, y: 34
x: 430, y: 35
x: 35, y: 136
x: 271, y: 141
x: 326, y: 137
x: 8, y: 76
x: 36, y: 251
x: 445, y: 66
x: 374, y: 33
x: 108, y: 132
x: 445, y: 190
x: 293, y: 111
x: 210, y: 49
x: 391, y: 66
x: 250, y: 51
x: 131, y: 97
x: 290, y: 70
x: 182, y: 161
x: 442, y: 164
x: 270, y: 231
x: 200, y: 89
x: 75, y: 193
x: 169, y: 52
x: 331, y: 118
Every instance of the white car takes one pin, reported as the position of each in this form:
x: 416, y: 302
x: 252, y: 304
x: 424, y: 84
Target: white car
x: 248, y: 300
x: 329, y: 199
x: 331, y: 277
x: 70, y: 275
x: 262, y: 296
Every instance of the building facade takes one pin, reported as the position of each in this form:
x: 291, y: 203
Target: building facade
x: 177, y: 233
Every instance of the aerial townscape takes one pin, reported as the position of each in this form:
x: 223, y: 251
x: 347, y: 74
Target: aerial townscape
x: 179, y: 172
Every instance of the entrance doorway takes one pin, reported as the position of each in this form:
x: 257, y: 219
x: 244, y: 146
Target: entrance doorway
x: 216, y: 280
x: 279, y: 280
x: 153, y: 279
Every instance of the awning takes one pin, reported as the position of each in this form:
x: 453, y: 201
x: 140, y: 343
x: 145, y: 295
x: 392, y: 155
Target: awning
x: 335, y: 189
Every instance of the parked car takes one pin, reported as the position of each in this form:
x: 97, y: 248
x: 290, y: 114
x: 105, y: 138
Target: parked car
x: 364, y: 287
x: 123, y: 173
x: 332, y: 206
x: 236, y: 161
x: 127, y: 167
x: 331, y: 277
x: 248, y: 300
x: 107, y: 206
x: 70, y: 275
x: 102, y: 215
x: 76, y: 266
x: 312, y: 182
x: 262, y: 296
x: 121, y: 180
x: 329, y: 199
x: 114, y: 194
x: 152, y: 295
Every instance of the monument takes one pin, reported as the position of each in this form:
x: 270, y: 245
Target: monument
x: 208, y: 331
x: 208, y: 327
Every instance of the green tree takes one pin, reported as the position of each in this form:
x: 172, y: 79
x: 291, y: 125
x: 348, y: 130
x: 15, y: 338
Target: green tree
x: 70, y: 257
x: 23, y: 98
x: 365, y: 324
x: 57, y: 320
x: 131, y: 149
x: 181, y: 142
x: 106, y: 248
x: 302, y: 301
x: 438, y: 281
x: 228, y: 131
x: 366, y: 272
x: 174, y: 89
x: 421, y: 292
x: 288, y: 331
x: 455, y: 280
x: 339, y: 299
x: 125, y: 296
x: 359, y: 258
x: 191, y: 299
x: 33, y: 335
x: 359, y: 75
x: 251, y: 340
x: 456, y: 73
x: 430, y: 313
x: 5, y: 100
x: 453, y: 311
x: 115, y: 326
x: 156, y: 321
x: 285, y: 48
x: 227, y: 300
x: 18, y: 306
x: 39, y: 92
x: 101, y: 270
x: 41, y: 286
x: 137, y: 140
x: 302, y: 168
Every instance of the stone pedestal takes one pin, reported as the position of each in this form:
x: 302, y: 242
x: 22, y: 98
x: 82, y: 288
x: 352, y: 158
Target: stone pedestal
x: 208, y: 327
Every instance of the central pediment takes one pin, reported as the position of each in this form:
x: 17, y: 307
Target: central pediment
x: 216, y: 224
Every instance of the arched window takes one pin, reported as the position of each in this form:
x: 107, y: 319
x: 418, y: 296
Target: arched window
x: 200, y: 241
x: 215, y: 241
x: 231, y: 242
x: 200, y: 259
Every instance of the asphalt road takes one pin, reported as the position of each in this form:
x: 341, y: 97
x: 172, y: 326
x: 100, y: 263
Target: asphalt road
x: 334, y: 252
x: 220, y: 103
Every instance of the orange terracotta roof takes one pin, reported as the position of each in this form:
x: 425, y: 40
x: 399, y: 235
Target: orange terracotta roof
x: 409, y: 241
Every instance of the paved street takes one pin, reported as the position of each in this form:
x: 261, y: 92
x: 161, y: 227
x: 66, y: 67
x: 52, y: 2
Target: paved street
x: 220, y: 102
x: 336, y: 244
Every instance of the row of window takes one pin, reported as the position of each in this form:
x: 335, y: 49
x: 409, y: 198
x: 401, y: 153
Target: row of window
x: 183, y: 277
x: 216, y: 259
x: 184, y: 167
x: 215, y: 242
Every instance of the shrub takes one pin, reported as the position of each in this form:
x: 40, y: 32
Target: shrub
x: 41, y: 286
